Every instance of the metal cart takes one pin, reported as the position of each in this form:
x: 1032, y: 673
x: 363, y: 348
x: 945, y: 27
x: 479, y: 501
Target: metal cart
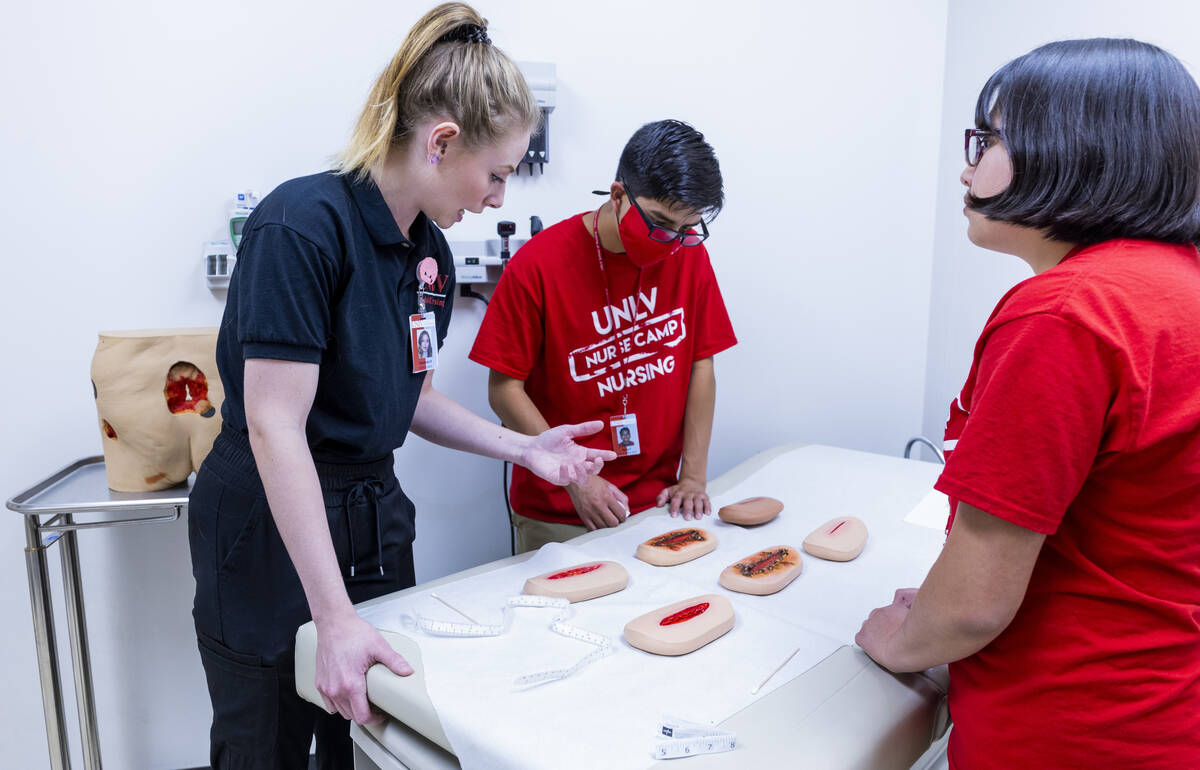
x: 50, y: 508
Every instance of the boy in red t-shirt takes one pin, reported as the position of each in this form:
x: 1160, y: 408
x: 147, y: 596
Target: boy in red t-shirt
x: 1067, y: 597
x: 615, y: 314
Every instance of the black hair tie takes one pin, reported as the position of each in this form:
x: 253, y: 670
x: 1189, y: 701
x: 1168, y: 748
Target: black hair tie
x: 467, y: 33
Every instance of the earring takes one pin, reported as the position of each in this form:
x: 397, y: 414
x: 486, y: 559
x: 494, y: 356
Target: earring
x: 434, y: 158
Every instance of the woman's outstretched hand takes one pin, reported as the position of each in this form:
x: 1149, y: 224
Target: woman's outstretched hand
x: 556, y: 457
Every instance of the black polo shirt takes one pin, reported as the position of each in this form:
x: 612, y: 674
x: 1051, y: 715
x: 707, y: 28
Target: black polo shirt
x: 325, y: 276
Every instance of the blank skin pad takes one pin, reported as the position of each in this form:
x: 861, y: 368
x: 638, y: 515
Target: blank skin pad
x: 751, y: 511
x: 840, y: 539
x: 682, y: 627
x: 676, y: 546
x: 765, y: 572
x: 581, y: 582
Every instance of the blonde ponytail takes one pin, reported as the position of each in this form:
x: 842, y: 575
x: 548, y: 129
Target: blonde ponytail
x: 445, y: 66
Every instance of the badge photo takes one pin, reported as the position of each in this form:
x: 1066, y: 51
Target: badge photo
x: 625, y: 435
x: 422, y: 336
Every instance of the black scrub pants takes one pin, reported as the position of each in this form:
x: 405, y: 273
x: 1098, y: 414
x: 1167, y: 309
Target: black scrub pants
x: 249, y: 601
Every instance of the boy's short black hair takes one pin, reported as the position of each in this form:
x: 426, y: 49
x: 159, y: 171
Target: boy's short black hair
x: 668, y: 160
x: 1104, y: 138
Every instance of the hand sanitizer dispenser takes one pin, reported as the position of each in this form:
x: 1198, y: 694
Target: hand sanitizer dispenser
x: 243, y: 204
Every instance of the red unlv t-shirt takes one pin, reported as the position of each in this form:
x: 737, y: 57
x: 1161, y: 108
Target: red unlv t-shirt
x: 548, y: 324
x: 1080, y: 419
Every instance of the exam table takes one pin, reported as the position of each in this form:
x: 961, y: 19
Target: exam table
x: 843, y: 712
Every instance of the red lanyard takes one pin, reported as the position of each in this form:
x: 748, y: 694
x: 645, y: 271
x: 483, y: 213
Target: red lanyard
x: 608, y: 306
x: 604, y: 273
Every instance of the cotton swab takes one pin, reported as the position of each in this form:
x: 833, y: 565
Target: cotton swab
x: 773, y: 673
x: 451, y: 606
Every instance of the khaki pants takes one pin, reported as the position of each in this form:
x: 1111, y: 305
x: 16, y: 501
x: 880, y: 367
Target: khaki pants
x: 533, y: 534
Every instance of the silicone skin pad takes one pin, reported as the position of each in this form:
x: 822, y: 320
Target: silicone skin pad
x: 682, y: 627
x: 581, y: 582
x: 766, y: 572
x: 840, y: 539
x: 751, y: 511
x: 676, y: 546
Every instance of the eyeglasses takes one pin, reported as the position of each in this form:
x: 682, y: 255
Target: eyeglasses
x: 975, y: 142
x: 665, y: 235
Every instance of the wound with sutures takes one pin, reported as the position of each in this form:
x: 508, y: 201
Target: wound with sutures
x: 576, y: 571
x: 764, y: 563
x: 687, y: 613
x: 678, y: 539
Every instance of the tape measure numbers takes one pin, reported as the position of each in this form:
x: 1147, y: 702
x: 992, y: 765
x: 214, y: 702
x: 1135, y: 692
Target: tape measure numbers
x: 688, y: 739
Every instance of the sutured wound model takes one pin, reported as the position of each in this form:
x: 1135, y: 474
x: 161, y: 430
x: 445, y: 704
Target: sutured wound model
x: 678, y: 539
x: 768, y: 562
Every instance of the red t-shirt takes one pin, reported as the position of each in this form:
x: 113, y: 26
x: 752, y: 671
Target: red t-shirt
x: 547, y: 324
x: 1080, y: 419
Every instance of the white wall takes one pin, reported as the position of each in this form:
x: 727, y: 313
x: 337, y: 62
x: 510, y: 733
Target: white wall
x: 981, y: 37
x: 128, y: 127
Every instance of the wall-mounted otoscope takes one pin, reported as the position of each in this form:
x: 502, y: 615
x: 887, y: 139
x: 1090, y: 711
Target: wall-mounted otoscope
x: 504, y: 229
x: 483, y: 261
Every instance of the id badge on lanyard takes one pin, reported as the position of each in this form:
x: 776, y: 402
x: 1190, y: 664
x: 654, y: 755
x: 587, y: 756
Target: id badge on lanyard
x: 422, y: 331
x: 422, y: 325
x: 623, y: 427
x: 625, y: 434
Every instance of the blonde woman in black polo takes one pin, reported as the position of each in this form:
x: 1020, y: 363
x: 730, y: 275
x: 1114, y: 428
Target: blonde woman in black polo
x: 296, y: 512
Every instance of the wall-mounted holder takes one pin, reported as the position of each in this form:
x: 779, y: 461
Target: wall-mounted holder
x: 542, y: 78
x: 480, y: 261
x: 219, y: 259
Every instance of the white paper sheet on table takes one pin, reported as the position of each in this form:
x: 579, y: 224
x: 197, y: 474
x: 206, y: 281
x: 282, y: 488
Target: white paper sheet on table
x: 933, y: 511
x: 604, y: 716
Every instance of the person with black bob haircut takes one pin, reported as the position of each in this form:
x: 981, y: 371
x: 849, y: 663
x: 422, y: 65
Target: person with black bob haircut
x: 1067, y: 597
x: 616, y: 314
x: 1082, y: 171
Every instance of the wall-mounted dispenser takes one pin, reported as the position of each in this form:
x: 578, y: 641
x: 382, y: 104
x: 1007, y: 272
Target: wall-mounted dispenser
x: 219, y: 259
x: 542, y: 78
x: 243, y: 204
x: 221, y: 256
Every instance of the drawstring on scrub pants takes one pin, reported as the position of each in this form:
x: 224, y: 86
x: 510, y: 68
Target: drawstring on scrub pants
x: 364, y: 492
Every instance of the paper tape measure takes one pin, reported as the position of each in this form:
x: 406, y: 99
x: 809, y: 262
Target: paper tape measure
x: 688, y: 739
x: 603, y: 644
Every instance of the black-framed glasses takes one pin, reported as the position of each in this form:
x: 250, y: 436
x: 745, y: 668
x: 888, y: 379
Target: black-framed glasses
x: 975, y: 142
x: 664, y: 234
